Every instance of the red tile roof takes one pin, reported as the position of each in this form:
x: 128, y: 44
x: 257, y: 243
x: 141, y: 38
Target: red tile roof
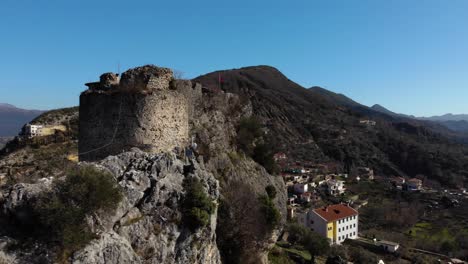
x: 335, y: 212
x: 414, y: 180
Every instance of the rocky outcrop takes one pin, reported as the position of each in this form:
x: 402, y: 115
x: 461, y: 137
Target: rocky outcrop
x: 243, y: 181
x: 15, y: 202
x: 163, y: 115
x: 148, y: 225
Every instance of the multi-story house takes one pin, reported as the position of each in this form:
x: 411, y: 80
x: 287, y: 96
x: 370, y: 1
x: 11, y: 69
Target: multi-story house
x: 335, y: 222
x: 33, y: 130
x: 335, y: 187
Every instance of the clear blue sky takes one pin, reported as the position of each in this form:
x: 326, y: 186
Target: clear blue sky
x: 410, y: 56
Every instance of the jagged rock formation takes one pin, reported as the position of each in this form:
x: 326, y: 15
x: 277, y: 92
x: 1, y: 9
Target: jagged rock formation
x: 147, y: 227
x: 148, y: 109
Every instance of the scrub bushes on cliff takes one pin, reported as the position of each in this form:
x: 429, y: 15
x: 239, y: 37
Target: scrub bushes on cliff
x: 270, y: 212
x: 250, y: 140
x: 197, y: 205
x: 249, y: 130
x: 62, y: 211
x: 242, y: 225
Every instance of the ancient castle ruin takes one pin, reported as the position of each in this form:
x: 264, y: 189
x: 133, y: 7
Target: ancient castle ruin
x: 145, y: 108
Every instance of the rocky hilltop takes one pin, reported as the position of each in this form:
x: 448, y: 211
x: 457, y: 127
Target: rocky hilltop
x: 153, y: 133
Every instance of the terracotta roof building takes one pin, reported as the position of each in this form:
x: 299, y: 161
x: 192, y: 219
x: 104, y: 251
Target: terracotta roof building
x: 336, y: 222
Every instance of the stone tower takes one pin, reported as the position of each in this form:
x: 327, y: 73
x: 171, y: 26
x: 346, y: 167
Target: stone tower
x: 145, y: 108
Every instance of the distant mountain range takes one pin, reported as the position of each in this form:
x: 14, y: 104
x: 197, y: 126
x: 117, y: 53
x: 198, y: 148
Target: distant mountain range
x: 447, y: 117
x: 13, y: 118
x: 456, y: 123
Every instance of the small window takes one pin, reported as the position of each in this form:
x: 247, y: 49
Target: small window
x: 339, y: 229
x: 354, y: 225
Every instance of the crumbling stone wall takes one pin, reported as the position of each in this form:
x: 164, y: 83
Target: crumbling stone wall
x: 143, y: 111
x: 146, y: 78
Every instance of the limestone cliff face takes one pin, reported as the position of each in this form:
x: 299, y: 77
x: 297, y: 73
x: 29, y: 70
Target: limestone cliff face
x: 146, y: 227
x: 149, y: 110
x: 240, y: 227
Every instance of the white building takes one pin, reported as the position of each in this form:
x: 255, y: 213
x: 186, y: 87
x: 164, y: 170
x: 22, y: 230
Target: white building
x: 335, y: 187
x: 301, y: 188
x: 368, y: 122
x: 388, y: 246
x: 33, y: 130
x: 336, y: 222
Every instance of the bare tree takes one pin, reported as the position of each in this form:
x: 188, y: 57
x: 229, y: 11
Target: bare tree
x: 178, y: 75
x: 242, y: 226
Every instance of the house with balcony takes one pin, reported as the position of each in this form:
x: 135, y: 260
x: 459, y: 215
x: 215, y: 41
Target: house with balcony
x: 335, y: 187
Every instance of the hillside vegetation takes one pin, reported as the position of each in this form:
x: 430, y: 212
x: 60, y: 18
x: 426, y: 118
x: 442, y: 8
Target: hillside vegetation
x: 320, y: 126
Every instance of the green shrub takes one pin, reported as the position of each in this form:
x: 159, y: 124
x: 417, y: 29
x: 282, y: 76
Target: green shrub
x: 62, y: 211
x: 271, y: 191
x: 263, y: 155
x: 249, y: 130
x: 279, y: 256
x: 360, y: 256
x: 311, y: 241
x: 250, y: 140
x: 197, y: 205
x: 270, y: 212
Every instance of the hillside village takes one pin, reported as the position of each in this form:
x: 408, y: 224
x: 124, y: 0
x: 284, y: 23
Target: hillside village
x: 326, y: 200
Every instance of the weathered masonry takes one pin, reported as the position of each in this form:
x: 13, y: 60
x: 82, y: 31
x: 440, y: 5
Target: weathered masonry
x: 145, y: 108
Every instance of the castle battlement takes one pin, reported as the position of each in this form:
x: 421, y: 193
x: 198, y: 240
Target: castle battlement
x: 145, y: 108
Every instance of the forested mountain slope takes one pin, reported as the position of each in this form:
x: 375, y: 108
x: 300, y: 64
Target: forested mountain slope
x: 313, y: 125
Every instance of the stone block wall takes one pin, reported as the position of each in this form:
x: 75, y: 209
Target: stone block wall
x: 113, y: 123
x: 146, y: 78
x: 142, y: 111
